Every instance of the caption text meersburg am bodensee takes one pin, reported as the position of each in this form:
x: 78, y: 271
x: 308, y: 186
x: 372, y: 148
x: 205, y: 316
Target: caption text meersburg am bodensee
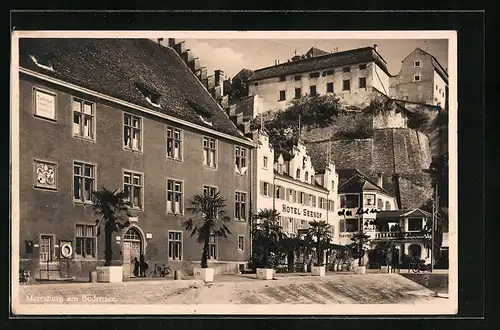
x: 61, y: 299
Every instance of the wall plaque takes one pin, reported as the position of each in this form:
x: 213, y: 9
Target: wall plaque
x: 45, y: 104
x: 45, y: 174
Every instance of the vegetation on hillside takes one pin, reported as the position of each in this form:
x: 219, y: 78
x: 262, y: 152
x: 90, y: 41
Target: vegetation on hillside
x: 314, y: 112
x: 419, y: 119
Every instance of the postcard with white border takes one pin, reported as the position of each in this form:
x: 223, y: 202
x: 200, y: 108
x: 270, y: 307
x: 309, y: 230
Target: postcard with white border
x: 224, y: 172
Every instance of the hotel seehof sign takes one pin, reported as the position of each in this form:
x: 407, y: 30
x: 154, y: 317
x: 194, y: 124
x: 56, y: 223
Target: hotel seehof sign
x: 287, y: 209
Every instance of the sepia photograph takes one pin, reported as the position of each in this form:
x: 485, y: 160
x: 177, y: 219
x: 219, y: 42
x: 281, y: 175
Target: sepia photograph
x: 224, y: 172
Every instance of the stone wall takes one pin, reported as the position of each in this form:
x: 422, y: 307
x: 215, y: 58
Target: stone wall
x: 399, y: 153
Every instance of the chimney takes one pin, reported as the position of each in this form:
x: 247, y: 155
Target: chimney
x: 160, y: 40
x: 380, y: 179
x: 180, y: 47
x: 219, y: 82
x: 375, y: 47
x: 245, y: 127
x: 187, y: 56
x: 194, y: 64
x: 211, y: 83
x: 171, y: 42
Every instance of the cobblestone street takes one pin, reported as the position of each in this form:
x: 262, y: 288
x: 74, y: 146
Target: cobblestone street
x: 236, y: 289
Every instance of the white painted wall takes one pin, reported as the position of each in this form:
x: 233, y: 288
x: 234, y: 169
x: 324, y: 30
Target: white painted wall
x: 269, y: 89
x: 439, y: 90
x: 380, y: 79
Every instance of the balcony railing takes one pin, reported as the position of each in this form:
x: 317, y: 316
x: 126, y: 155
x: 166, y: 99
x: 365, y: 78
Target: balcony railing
x: 386, y: 234
x: 395, y: 234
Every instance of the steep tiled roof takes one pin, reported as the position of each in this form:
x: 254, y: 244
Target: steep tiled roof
x: 366, y: 54
x: 316, y: 52
x: 244, y: 74
x: 289, y: 177
x: 356, y: 182
x: 390, y: 214
x: 117, y: 67
x: 287, y: 156
x: 398, y: 213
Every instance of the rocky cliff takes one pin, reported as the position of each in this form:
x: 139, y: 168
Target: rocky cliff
x: 401, y: 154
x: 374, y: 134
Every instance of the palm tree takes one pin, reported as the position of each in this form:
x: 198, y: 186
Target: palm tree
x: 360, y: 240
x: 320, y: 231
x: 268, y: 233
x: 111, y: 206
x: 211, y: 219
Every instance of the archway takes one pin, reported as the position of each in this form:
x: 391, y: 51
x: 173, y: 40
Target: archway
x: 132, y: 248
x: 415, y: 251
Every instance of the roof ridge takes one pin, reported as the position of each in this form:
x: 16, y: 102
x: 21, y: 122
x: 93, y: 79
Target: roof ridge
x: 207, y: 92
x: 311, y: 59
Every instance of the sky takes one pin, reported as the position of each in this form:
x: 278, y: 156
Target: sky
x: 232, y: 55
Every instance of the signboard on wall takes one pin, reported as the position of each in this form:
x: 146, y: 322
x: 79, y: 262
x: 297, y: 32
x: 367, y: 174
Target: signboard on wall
x: 45, y: 104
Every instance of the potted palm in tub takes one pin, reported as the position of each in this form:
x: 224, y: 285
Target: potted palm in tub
x: 267, y: 234
x: 320, y: 232
x: 360, y: 246
x: 209, y: 222
x: 112, y: 208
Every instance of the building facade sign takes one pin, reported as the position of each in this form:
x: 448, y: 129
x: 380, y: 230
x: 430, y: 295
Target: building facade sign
x: 45, y: 104
x: 303, y: 211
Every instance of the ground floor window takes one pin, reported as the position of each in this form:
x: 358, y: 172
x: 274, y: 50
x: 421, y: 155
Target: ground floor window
x: 46, y: 247
x: 175, y: 245
x: 241, y: 242
x: 349, y: 225
x: 85, y: 241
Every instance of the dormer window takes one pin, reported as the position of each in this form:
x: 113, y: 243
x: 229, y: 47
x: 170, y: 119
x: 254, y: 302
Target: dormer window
x: 154, y: 99
x: 204, y: 115
x: 151, y: 95
x: 206, y: 120
x: 297, y: 175
x: 43, y: 60
x: 306, y: 176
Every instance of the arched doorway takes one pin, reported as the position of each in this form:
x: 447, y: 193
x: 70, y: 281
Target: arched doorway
x: 132, y: 248
x: 415, y: 251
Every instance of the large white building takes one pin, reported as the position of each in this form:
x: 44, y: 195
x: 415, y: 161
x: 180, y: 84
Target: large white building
x: 287, y: 182
x: 317, y: 73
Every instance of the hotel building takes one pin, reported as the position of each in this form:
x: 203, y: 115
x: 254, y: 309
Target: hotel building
x: 287, y: 182
x: 365, y: 206
x: 317, y: 73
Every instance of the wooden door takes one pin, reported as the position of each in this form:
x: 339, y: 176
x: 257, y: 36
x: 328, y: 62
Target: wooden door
x: 46, y: 248
x: 127, y: 269
x: 135, y: 252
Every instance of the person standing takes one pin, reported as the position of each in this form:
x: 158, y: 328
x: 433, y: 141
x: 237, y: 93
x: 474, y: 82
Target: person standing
x: 144, y: 265
x: 136, y: 267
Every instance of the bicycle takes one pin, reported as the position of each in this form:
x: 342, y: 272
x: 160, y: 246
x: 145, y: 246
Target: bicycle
x: 160, y: 270
x: 420, y: 267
